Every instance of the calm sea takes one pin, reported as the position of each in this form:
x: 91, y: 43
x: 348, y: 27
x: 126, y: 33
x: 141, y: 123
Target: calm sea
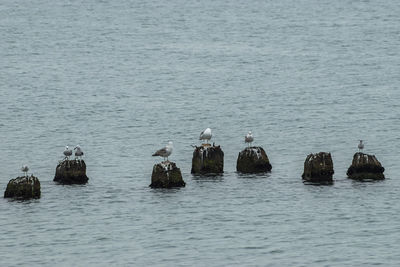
x: 122, y: 78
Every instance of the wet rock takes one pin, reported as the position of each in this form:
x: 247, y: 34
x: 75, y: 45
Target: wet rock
x: 24, y: 187
x: 365, y: 167
x: 207, y: 159
x: 71, y: 172
x: 166, y: 175
x: 318, y: 168
x: 253, y: 160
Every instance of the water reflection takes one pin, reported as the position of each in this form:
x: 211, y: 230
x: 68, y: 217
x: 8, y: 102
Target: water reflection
x: 364, y: 183
x: 262, y: 175
x: 212, y: 177
x: 172, y: 190
x: 319, y: 183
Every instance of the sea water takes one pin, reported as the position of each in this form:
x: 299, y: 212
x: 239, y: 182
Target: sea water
x: 122, y: 78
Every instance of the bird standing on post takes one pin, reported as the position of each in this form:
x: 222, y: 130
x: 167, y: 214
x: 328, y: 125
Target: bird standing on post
x: 67, y: 153
x: 78, y: 152
x: 205, y: 135
x: 165, y: 151
x: 249, y: 138
x: 25, y: 169
x: 361, y: 145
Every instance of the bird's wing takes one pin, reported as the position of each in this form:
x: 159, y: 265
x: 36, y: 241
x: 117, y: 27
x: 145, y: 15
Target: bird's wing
x: 160, y: 152
x: 201, y: 134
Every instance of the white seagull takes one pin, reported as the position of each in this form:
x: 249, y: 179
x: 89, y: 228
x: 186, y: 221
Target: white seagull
x: 206, y: 135
x: 361, y: 145
x: 25, y: 169
x: 249, y: 138
x: 165, y: 151
x: 67, y: 152
x: 78, y: 152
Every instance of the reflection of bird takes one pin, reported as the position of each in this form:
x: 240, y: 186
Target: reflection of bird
x: 165, y: 151
x: 361, y: 145
x: 78, y: 152
x: 249, y: 138
x: 206, y: 135
x: 25, y: 169
x: 67, y: 152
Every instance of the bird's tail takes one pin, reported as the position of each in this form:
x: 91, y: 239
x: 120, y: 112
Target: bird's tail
x: 155, y: 154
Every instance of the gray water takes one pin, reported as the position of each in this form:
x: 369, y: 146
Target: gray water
x: 121, y: 78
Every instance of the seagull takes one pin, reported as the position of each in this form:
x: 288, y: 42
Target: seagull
x: 78, y: 152
x: 67, y: 152
x: 361, y: 145
x: 249, y: 138
x: 25, y: 169
x: 206, y: 135
x: 165, y: 151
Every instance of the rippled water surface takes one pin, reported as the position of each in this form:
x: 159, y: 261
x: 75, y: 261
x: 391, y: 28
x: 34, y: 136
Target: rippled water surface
x: 121, y: 78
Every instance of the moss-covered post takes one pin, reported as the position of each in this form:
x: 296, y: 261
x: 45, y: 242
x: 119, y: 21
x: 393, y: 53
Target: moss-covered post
x: 24, y: 187
x: 71, y: 172
x: 318, y: 168
x: 166, y: 175
x: 365, y: 167
x: 253, y: 160
x: 207, y: 159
